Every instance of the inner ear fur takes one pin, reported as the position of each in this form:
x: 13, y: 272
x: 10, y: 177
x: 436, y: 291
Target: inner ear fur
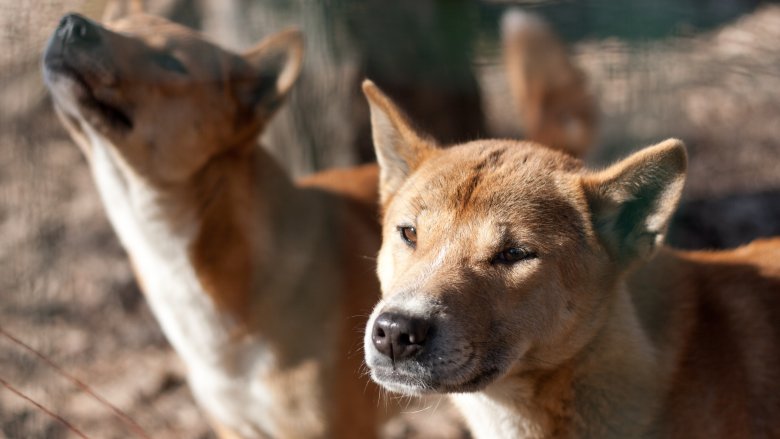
x: 399, y: 147
x: 632, y: 201
x: 276, y: 64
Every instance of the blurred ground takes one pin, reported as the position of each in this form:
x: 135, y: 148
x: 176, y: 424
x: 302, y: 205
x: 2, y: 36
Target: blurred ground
x: 66, y: 287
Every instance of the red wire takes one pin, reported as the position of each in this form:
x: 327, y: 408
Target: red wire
x: 43, y: 409
x: 85, y: 388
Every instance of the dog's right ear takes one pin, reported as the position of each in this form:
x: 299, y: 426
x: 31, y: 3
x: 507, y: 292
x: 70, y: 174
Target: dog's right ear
x: 276, y: 62
x: 632, y: 201
x: 399, y: 148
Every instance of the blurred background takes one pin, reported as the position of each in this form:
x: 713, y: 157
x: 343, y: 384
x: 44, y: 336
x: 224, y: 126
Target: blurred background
x: 705, y: 71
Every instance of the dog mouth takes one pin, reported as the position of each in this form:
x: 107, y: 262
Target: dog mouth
x: 446, y: 362
x: 411, y: 383
x: 57, y: 67
x: 401, y: 382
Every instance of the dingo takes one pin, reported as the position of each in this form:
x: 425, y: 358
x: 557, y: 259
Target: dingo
x: 538, y: 293
x: 255, y: 280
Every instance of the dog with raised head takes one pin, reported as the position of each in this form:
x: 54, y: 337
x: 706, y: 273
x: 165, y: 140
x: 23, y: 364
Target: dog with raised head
x: 255, y: 279
x: 539, y: 295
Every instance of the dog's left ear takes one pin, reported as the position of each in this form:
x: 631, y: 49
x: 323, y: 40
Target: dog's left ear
x: 632, y: 201
x: 399, y: 147
x: 276, y: 62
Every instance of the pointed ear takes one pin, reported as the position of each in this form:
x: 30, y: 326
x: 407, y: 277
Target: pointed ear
x: 276, y: 63
x: 116, y: 9
x: 632, y: 201
x: 399, y: 148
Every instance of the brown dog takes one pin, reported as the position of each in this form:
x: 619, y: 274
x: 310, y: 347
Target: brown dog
x: 255, y: 280
x: 539, y: 294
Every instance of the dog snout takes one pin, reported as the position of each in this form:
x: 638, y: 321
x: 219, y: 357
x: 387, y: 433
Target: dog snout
x: 398, y: 336
x: 77, y: 30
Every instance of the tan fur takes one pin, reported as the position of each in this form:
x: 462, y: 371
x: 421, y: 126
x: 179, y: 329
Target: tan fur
x: 116, y: 9
x: 549, y: 90
x: 261, y: 284
x: 597, y: 330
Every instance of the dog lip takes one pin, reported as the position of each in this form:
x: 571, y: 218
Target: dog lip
x: 54, y: 60
x: 395, y: 379
x: 57, y: 64
x: 477, y: 382
x: 399, y: 381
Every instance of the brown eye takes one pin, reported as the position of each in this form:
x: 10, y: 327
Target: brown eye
x: 409, y: 235
x: 511, y: 255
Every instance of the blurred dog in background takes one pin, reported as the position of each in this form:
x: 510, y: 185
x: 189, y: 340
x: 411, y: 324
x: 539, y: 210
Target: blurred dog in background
x: 255, y: 279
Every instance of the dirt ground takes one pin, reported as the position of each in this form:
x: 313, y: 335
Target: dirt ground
x: 67, y: 290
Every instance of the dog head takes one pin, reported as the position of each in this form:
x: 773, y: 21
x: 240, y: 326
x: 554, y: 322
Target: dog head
x: 166, y: 99
x: 501, y: 256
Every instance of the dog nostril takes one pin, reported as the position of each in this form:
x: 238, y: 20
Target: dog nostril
x: 80, y: 30
x: 74, y: 28
x: 412, y: 339
x: 64, y: 27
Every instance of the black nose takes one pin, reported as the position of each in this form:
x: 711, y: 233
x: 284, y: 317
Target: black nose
x: 398, y: 336
x: 75, y: 29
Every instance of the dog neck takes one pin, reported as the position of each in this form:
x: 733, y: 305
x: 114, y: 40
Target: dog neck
x: 609, y: 390
x: 208, y: 254
x: 157, y: 229
x: 197, y: 247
